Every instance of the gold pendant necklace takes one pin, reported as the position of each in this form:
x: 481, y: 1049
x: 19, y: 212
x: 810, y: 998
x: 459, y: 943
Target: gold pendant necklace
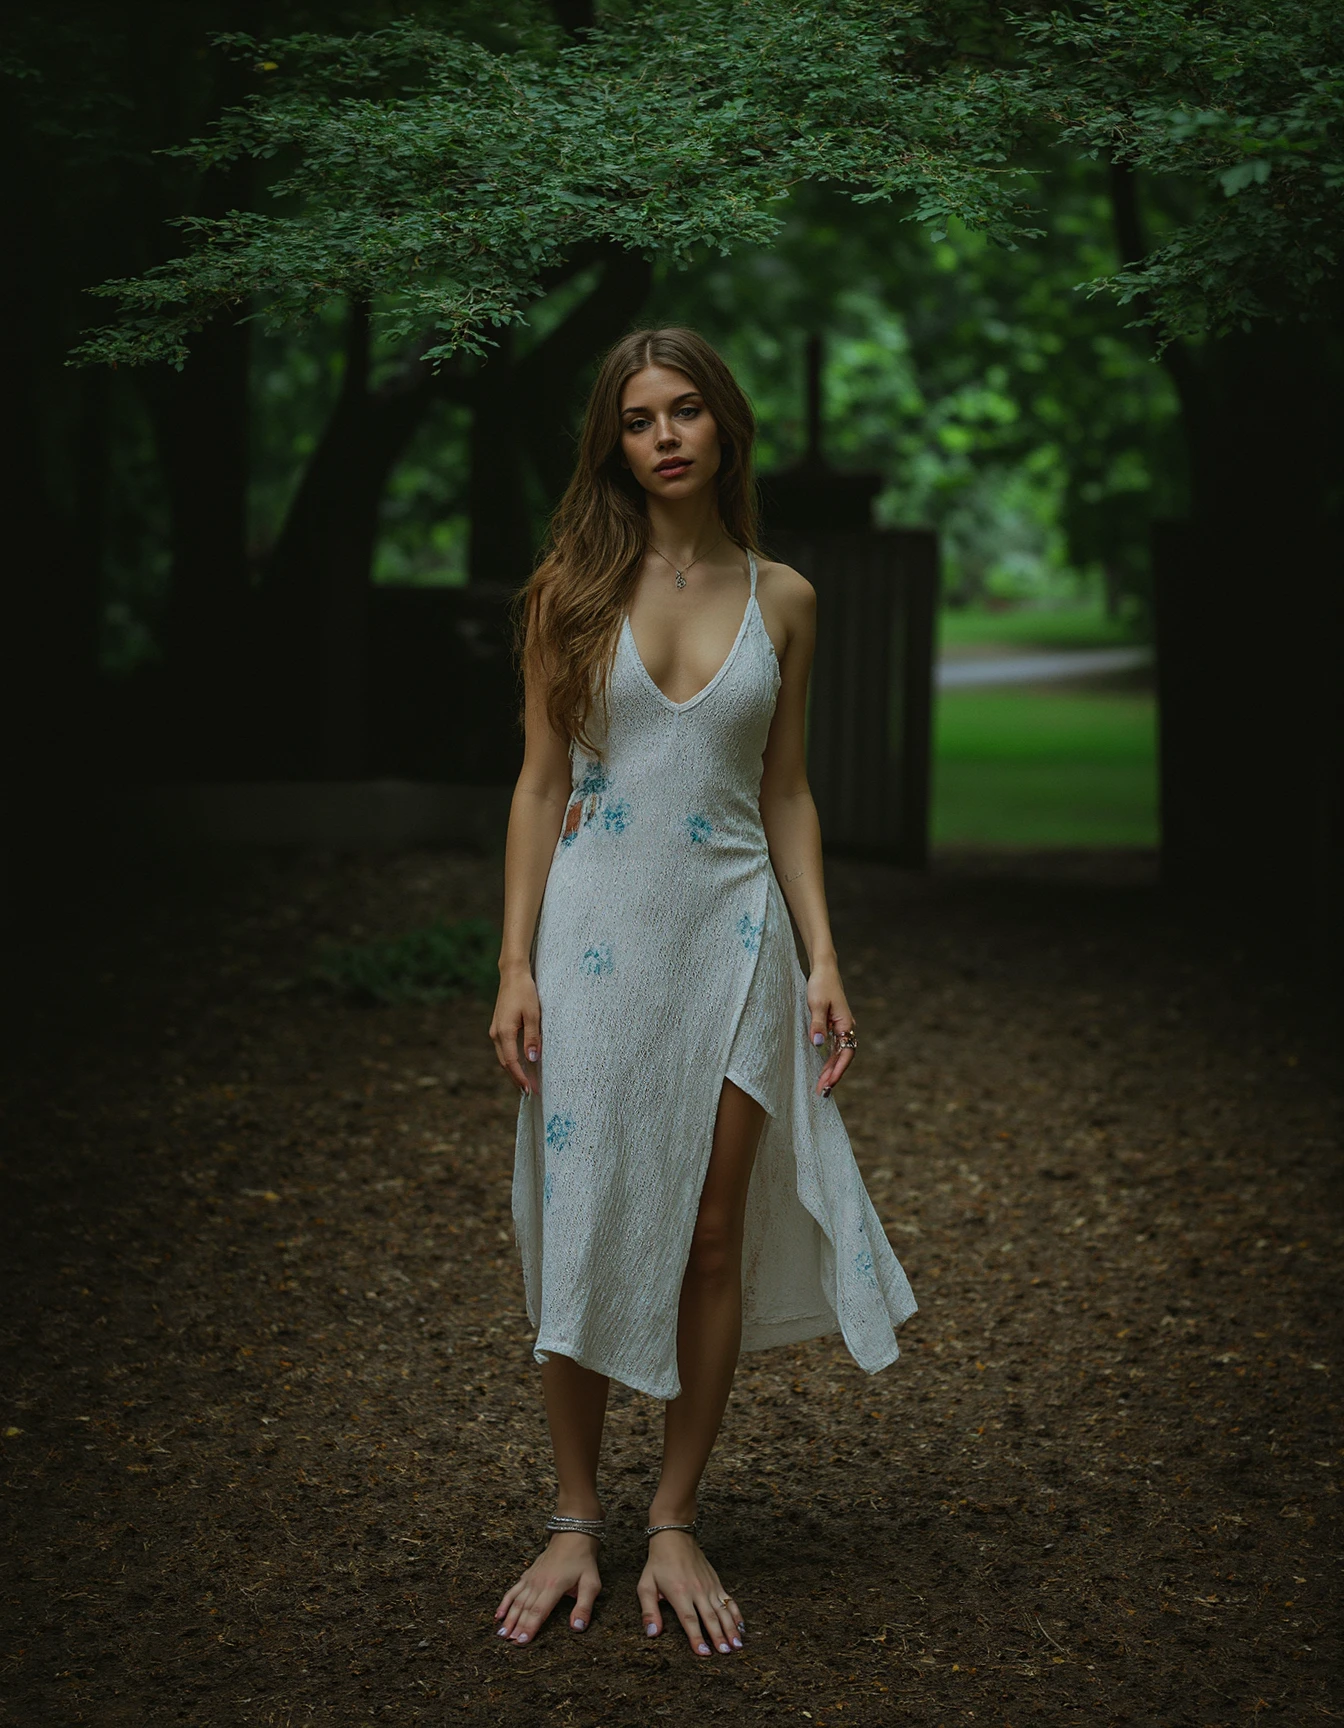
x: 680, y: 574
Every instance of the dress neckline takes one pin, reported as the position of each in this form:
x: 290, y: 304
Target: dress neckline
x: 690, y: 701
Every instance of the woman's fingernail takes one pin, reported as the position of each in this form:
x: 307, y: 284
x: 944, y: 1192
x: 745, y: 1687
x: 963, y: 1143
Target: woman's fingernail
x: 817, y: 1037
x: 703, y: 1649
x: 737, y: 1643
x: 578, y: 1625
x: 503, y: 1632
x: 723, y: 1649
x: 825, y: 1091
x: 741, y: 1625
x: 522, y: 1637
x: 532, y: 1054
x: 651, y: 1629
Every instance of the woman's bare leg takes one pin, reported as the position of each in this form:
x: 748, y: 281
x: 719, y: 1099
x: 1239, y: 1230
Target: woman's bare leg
x: 576, y: 1407
x: 709, y: 1337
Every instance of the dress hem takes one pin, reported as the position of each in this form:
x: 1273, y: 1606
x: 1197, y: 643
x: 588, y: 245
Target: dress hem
x: 542, y: 1345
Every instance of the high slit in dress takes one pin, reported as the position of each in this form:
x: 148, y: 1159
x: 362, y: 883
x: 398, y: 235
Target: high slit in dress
x: 665, y: 963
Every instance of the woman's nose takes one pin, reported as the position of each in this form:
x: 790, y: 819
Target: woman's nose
x: 667, y: 434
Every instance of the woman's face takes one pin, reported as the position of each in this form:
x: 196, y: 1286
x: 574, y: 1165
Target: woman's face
x: 669, y: 438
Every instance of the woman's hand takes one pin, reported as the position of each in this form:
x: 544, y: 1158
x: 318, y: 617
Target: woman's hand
x: 830, y: 1016
x: 517, y: 1011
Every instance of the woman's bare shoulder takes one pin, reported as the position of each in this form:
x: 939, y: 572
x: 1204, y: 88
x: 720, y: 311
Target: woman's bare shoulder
x: 786, y: 589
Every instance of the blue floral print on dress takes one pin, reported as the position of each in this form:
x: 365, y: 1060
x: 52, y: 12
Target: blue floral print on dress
x: 616, y: 817
x: 597, y: 960
x: 700, y: 828
x: 558, y: 1130
x: 750, y: 932
x: 863, y: 1265
x: 594, y: 780
x: 548, y: 1187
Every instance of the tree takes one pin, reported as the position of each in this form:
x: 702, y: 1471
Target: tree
x: 443, y: 181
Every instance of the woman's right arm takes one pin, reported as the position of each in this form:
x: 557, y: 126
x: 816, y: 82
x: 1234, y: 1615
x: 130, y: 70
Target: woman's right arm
x: 539, y: 802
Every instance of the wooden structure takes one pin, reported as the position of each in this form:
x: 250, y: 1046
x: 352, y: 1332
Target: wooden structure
x: 870, y: 706
x: 869, y: 712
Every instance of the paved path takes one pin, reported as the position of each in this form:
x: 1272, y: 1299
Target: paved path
x: 1040, y: 668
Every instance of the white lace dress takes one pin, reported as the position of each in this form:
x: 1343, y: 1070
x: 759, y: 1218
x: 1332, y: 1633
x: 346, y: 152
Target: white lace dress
x: 665, y: 961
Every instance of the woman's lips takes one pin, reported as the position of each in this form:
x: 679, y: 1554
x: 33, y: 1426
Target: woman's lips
x: 670, y: 470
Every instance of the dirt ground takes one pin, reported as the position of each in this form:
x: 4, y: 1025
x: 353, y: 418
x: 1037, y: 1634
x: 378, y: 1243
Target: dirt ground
x: 272, y: 1445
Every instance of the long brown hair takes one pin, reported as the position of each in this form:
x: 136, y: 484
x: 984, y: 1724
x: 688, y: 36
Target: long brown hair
x: 570, y: 612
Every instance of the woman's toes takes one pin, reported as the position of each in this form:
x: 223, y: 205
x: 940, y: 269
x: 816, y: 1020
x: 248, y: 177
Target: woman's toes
x: 691, y: 1626
x: 585, y: 1596
x: 717, y: 1629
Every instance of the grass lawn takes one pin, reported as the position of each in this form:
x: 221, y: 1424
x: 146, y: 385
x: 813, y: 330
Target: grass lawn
x: 1036, y: 768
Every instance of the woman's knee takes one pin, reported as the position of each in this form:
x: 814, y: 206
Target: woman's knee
x: 716, y: 1248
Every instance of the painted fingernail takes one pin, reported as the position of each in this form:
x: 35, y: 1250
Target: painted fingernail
x: 741, y: 1625
x: 817, y: 1037
x: 532, y: 1055
x: 503, y: 1632
x: 737, y: 1643
x: 825, y: 1091
x: 651, y: 1629
x: 703, y: 1649
x: 578, y: 1625
x: 724, y: 1648
x: 522, y: 1637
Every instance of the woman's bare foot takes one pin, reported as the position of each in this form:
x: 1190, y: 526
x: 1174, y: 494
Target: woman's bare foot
x: 567, y: 1568
x: 678, y: 1573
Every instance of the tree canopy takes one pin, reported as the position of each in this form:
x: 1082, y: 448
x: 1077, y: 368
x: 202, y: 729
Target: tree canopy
x: 441, y: 176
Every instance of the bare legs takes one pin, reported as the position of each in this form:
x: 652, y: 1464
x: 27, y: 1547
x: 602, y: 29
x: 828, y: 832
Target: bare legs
x: 709, y: 1335
x: 576, y: 1406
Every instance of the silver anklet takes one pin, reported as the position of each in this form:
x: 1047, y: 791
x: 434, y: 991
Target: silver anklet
x: 578, y: 1526
x: 692, y: 1527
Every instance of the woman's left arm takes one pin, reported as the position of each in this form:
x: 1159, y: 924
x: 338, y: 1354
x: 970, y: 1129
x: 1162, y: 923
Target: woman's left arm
x: 789, y: 817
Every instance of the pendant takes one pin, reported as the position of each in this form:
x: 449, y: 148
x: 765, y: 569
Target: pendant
x: 681, y: 580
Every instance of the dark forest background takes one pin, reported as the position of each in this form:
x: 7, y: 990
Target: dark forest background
x: 219, y: 521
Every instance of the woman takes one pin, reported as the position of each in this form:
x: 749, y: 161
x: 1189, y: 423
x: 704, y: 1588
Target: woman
x: 683, y: 1184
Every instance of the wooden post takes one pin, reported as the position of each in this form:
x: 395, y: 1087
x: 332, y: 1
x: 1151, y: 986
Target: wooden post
x: 869, y: 715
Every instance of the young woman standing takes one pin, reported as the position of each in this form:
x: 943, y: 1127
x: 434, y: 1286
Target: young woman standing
x: 683, y: 1184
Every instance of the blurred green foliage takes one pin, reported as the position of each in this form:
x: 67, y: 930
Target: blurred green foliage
x: 434, y: 964
x: 1016, y: 415
x: 1017, y: 628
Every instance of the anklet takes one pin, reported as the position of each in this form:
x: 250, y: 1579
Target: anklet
x: 692, y: 1527
x: 578, y: 1526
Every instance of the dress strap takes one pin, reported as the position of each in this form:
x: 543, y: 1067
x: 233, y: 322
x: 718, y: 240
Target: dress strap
x: 751, y: 565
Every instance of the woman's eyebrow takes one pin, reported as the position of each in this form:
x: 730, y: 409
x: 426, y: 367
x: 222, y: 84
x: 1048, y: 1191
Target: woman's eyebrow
x: 685, y: 396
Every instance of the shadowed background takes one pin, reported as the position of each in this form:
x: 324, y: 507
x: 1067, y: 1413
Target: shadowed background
x: 271, y: 1443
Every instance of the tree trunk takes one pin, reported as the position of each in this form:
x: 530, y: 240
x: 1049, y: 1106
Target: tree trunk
x: 200, y: 419
x: 317, y: 580
x: 501, y: 540
x: 553, y: 373
x: 1246, y: 603
x: 1249, y: 631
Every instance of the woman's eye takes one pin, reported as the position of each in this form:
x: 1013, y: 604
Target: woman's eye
x: 689, y: 409
x: 635, y: 425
